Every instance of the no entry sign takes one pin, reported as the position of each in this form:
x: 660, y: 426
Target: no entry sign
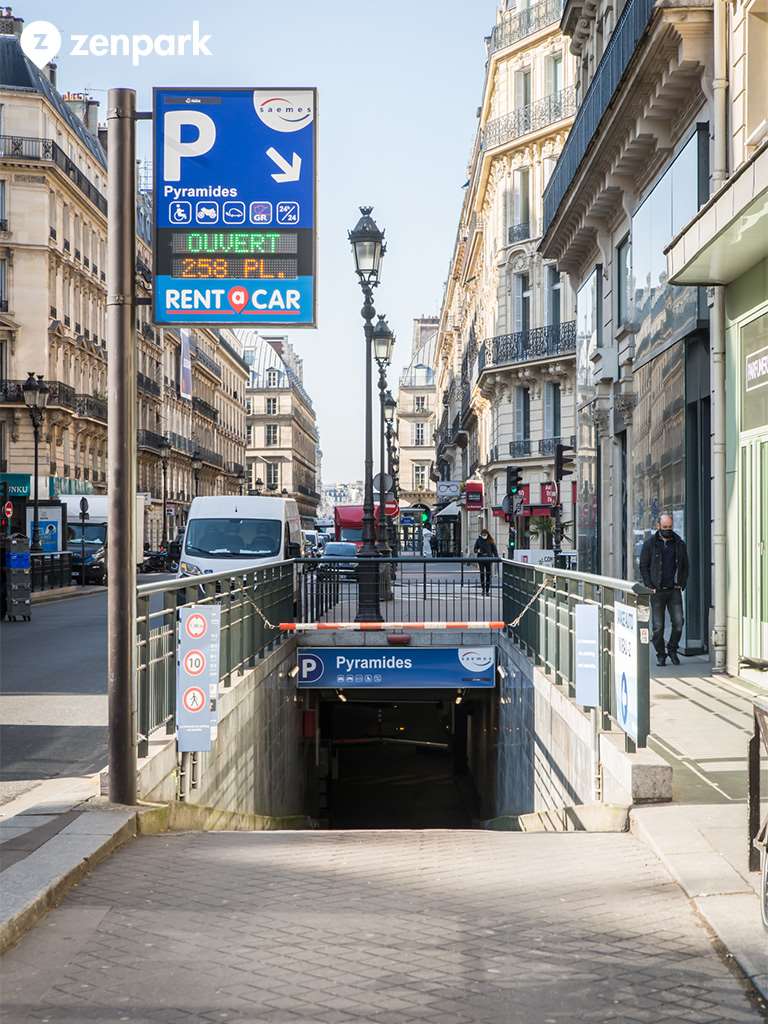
x: 197, y: 682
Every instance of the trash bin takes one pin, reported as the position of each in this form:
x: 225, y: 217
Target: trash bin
x: 17, y: 579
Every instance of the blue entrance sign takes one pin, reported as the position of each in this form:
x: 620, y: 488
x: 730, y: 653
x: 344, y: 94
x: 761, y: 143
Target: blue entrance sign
x: 234, y: 206
x: 197, y: 676
x: 387, y: 668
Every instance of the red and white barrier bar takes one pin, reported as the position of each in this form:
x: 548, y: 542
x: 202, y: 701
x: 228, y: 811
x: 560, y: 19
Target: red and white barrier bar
x: 382, y: 627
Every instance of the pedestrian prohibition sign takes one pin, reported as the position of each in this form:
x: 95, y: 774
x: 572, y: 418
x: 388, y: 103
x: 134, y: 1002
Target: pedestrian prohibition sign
x: 193, y: 699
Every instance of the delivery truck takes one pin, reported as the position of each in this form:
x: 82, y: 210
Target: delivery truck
x: 86, y: 540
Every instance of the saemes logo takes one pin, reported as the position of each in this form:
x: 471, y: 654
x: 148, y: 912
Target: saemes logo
x: 287, y: 111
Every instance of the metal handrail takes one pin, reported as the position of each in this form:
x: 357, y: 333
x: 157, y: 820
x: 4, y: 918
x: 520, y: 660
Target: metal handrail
x: 540, y: 603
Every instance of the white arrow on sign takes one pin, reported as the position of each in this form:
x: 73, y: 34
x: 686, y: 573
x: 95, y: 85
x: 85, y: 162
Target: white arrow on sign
x: 288, y: 171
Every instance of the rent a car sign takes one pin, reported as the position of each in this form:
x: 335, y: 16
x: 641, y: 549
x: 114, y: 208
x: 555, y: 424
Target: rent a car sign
x: 234, y: 207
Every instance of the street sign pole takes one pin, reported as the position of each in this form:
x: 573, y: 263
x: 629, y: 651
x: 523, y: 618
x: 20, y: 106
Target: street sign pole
x: 121, y: 444
x: 83, y: 517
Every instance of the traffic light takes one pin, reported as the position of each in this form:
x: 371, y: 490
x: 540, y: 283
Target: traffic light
x: 425, y: 518
x: 514, y: 479
x: 564, y: 463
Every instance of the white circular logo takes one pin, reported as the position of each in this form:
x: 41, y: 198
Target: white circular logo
x: 40, y: 41
x: 286, y: 111
x: 476, y: 659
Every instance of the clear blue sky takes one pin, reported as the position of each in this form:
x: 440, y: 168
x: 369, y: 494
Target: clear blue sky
x: 399, y: 83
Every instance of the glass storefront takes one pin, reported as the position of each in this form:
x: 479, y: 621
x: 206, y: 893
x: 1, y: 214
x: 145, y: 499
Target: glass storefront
x: 587, y: 443
x: 664, y: 312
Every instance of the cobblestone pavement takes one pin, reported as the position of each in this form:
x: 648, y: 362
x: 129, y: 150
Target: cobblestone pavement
x: 396, y: 927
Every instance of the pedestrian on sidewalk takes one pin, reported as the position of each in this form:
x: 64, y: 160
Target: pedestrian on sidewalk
x: 426, y: 542
x: 485, y: 549
x: 664, y: 568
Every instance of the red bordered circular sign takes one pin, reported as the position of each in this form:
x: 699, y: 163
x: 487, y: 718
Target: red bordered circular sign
x: 195, y: 663
x: 193, y: 699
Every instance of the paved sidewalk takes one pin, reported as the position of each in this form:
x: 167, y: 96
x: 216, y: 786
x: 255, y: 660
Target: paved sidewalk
x: 701, y: 724
x: 392, y: 927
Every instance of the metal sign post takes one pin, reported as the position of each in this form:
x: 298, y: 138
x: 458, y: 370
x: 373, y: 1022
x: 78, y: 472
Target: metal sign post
x: 83, y: 517
x: 121, y: 443
x: 234, y: 206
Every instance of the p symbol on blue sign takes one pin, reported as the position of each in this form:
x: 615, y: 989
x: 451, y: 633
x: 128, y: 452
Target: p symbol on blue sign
x: 310, y: 668
x: 175, y: 148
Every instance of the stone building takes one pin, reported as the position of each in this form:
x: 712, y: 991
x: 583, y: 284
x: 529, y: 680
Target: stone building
x: 725, y: 247
x: 416, y: 417
x: 634, y: 170
x: 53, y: 237
x: 504, y: 358
x: 282, y: 451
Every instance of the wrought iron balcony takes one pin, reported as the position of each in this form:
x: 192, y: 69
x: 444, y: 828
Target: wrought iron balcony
x: 530, y: 118
x: 91, y: 407
x: 619, y: 51
x: 515, y: 25
x: 60, y: 395
x: 19, y: 147
x: 519, y: 232
x: 211, y: 457
x: 526, y: 346
x: 205, y: 409
x: 235, y: 468
x: 547, y: 444
x: 520, y: 449
x: 209, y: 363
x: 147, y: 385
x: 149, y: 439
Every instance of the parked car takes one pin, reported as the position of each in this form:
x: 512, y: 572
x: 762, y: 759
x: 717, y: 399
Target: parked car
x: 339, y: 560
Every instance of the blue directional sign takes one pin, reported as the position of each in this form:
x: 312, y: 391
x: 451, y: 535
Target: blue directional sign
x: 382, y: 668
x: 234, y: 206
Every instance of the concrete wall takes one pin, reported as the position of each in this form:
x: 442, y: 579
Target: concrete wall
x: 257, y: 762
x: 548, y: 751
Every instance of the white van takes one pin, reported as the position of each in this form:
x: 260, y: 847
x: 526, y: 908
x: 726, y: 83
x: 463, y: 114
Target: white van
x: 229, y: 532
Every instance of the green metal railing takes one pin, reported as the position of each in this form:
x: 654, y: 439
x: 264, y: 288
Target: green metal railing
x: 546, y: 630
x: 250, y: 601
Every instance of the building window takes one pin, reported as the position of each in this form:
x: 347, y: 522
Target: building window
x: 273, y: 378
x: 522, y: 414
x: 521, y: 213
x: 522, y: 309
x: 522, y: 88
x: 553, y: 296
x: 418, y: 434
x: 248, y: 406
x: 271, y: 407
x: 419, y: 478
x: 551, y: 409
x: 3, y: 215
x: 420, y: 403
x: 271, y: 435
x: 272, y: 474
x: 555, y: 74
x: 623, y: 280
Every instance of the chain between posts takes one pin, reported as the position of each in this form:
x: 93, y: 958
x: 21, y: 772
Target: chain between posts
x: 542, y: 587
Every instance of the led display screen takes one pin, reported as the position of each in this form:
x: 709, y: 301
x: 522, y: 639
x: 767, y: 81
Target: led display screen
x: 241, y: 267
x: 234, y: 242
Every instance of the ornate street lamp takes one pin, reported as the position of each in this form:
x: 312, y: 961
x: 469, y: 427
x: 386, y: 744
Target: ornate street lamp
x: 368, y: 248
x: 383, y: 343
x: 258, y: 485
x: 197, y: 465
x: 35, y: 392
x: 390, y: 406
x: 241, y: 480
x: 165, y: 455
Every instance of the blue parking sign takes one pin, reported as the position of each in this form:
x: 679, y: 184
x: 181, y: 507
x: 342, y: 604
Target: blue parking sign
x: 234, y: 206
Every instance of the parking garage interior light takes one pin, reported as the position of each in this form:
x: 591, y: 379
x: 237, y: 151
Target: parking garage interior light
x: 502, y: 672
x: 342, y: 696
x: 459, y: 696
x: 294, y: 672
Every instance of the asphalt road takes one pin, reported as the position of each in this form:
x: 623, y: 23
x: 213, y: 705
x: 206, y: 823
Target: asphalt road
x: 53, y: 692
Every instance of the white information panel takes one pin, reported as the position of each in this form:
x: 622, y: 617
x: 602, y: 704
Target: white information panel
x: 625, y: 667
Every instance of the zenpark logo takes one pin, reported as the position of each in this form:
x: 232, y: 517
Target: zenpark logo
x: 41, y: 42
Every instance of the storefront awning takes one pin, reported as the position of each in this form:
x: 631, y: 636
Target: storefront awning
x: 728, y: 235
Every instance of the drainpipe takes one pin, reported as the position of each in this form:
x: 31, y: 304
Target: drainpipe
x: 719, y: 639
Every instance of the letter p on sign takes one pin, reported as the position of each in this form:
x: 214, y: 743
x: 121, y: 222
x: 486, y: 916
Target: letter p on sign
x: 174, y: 150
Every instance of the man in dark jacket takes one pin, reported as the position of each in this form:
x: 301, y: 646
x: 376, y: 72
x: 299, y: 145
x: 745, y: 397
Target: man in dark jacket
x: 485, y: 549
x: 664, y: 568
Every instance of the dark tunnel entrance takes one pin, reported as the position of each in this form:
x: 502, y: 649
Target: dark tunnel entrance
x: 400, y: 760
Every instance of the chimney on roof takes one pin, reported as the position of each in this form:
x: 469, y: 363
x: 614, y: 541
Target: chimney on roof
x: 84, y: 107
x: 9, y: 25
x: 50, y: 71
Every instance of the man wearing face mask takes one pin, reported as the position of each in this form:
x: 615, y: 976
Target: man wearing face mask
x: 664, y: 568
